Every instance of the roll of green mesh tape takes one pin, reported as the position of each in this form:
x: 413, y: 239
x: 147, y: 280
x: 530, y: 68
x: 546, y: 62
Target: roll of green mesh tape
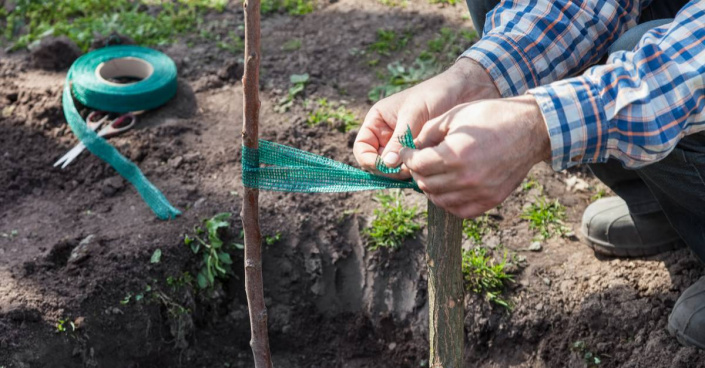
x: 121, y: 79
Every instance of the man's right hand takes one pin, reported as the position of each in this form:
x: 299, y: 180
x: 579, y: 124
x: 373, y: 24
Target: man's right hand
x: 465, y: 81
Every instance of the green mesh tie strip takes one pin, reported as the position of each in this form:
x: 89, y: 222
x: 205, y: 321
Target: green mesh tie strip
x: 288, y: 169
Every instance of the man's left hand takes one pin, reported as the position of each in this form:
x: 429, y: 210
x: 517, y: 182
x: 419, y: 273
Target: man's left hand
x: 472, y: 157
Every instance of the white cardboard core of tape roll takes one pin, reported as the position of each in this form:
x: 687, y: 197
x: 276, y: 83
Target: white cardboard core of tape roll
x: 123, y: 67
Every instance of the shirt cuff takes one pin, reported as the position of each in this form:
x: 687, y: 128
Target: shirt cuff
x: 507, y: 64
x: 576, y: 122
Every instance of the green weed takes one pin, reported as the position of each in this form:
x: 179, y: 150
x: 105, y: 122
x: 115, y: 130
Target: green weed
x: 485, y: 276
x: 144, y: 21
x: 298, y: 84
x: 292, y: 45
x: 63, y: 326
x: 546, y: 217
x: 156, y: 256
x: 529, y: 183
x: 599, y: 194
x: 293, y: 7
x: 399, y: 78
x: 216, y: 262
x: 233, y: 43
x: 477, y: 228
x: 393, y: 3
x: 273, y: 239
x: 591, y: 359
x: 389, y: 41
x: 440, y: 51
x: 449, y: 2
x: 393, y: 222
x: 340, y: 116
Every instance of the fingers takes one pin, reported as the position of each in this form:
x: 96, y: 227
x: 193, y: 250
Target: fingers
x: 412, y: 116
x: 460, y: 203
x: 427, y: 161
x: 433, y: 132
x: 372, y: 137
x: 438, y: 184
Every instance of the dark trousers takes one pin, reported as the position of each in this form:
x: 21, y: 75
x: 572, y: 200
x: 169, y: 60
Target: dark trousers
x: 674, y: 185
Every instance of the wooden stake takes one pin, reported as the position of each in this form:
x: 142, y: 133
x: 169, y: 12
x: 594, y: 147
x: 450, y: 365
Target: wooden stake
x: 445, y: 289
x: 254, y: 285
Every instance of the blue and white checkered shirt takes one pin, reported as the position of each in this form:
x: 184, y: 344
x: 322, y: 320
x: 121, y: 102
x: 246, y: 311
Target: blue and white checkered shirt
x: 634, y: 108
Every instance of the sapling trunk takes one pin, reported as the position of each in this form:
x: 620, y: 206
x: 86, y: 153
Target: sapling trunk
x: 445, y: 289
x: 254, y: 285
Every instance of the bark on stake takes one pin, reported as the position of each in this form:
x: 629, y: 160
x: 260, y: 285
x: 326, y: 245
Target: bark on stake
x: 445, y: 289
x: 250, y: 201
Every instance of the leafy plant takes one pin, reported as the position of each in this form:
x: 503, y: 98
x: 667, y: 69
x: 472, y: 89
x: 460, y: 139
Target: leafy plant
x: 546, y: 217
x: 529, y: 183
x: 271, y: 240
x: 293, y: 7
x: 399, y: 78
x: 156, y: 256
x: 476, y: 229
x: 599, y: 194
x: 388, y: 41
x: 146, y: 22
x: 298, y: 84
x: 485, y: 276
x: 591, y: 359
x: 232, y: 43
x: 393, y: 223
x: 446, y: 47
x: 393, y: 3
x: 325, y: 113
x: 449, y: 2
x: 216, y: 260
x: 62, y: 327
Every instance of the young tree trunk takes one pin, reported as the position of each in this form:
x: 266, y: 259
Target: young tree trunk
x: 445, y: 289
x: 250, y: 201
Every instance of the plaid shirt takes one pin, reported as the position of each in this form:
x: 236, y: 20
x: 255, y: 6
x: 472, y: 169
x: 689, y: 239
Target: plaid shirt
x: 634, y: 108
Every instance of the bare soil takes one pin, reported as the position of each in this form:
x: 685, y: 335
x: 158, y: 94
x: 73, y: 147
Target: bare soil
x: 332, y: 303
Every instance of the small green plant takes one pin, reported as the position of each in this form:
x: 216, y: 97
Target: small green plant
x: 273, y: 239
x: 448, y: 2
x: 293, y: 7
x: 399, y: 78
x: 232, y: 43
x: 325, y: 113
x: 389, y: 41
x: 298, y: 84
x: 292, y: 45
x: 477, y: 228
x: 393, y: 222
x: 393, y: 3
x: 156, y: 256
x: 61, y: 326
x: 546, y: 217
x: 599, y: 194
x: 447, y: 46
x: 216, y: 260
x: 485, y: 276
x: 591, y: 359
x: 529, y: 183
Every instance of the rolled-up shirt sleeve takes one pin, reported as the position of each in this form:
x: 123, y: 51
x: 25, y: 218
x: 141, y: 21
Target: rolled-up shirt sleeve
x: 526, y: 44
x: 637, y: 106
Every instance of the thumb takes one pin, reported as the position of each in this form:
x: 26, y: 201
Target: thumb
x: 411, y: 116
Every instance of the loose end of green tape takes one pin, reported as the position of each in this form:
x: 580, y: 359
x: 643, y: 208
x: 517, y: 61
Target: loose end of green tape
x: 406, y: 140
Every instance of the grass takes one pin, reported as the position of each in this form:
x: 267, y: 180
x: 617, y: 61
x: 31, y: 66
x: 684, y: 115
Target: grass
x: 389, y: 41
x: 546, y: 217
x: 393, y: 222
x: 148, y: 23
x: 216, y: 262
x: 440, y: 51
x: 599, y: 194
x: 485, y: 276
x: 342, y: 117
x: 449, y: 2
x: 529, y: 183
x: 477, y: 228
x: 292, y: 7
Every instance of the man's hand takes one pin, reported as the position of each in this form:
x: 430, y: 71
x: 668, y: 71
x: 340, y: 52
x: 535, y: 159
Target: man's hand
x: 464, y: 82
x: 471, y: 158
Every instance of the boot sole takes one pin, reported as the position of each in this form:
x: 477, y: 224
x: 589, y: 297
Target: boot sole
x: 610, y: 250
x: 683, y: 339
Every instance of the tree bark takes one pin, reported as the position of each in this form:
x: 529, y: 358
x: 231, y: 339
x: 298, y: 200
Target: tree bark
x: 254, y: 285
x: 445, y: 289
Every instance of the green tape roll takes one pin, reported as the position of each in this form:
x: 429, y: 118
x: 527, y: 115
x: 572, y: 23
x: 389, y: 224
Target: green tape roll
x: 90, y: 80
x: 156, y: 88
